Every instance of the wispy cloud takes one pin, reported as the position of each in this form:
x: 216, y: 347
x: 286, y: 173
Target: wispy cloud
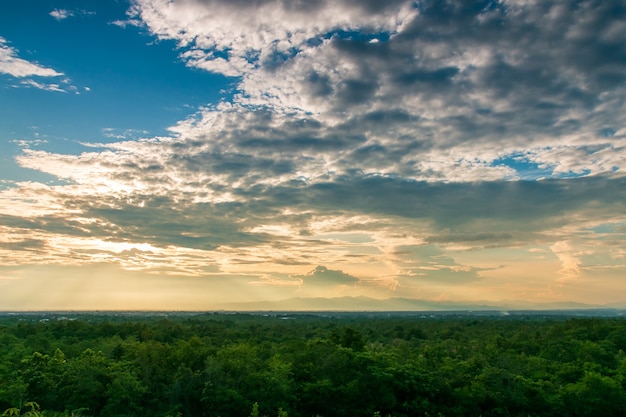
x: 62, y: 14
x: 120, y: 134
x: 123, y: 23
x: 12, y: 65
x: 43, y: 86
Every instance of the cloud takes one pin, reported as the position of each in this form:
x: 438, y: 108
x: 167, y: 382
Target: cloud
x: 234, y: 37
x: 569, y: 260
x: 127, y: 22
x: 448, y: 92
x: 26, y: 244
x: 62, y: 14
x: 323, y: 282
x: 149, y: 203
x: 401, y: 143
x: 14, y: 66
x: 428, y: 263
x: 17, y: 67
x: 322, y: 276
x: 43, y: 86
x: 120, y: 134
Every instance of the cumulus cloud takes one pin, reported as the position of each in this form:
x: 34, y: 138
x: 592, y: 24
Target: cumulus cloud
x: 322, y: 281
x: 569, y: 260
x: 448, y: 91
x: 324, y: 276
x: 235, y: 37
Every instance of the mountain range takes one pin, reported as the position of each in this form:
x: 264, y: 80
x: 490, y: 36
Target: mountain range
x: 405, y: 304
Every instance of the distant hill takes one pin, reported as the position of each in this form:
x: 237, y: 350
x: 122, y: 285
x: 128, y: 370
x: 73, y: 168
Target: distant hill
x: 403, y: 304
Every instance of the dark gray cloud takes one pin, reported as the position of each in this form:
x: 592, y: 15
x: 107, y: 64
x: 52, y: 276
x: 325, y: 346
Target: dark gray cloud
x: 472, y: 238
x: 522, y: 204
x: 322, y: 277
x: 516, y: 212
x: 494, y: 71
x: 513, y: 212
x: 431, y: 264
x: 24, y: 245
x: 451, y: 86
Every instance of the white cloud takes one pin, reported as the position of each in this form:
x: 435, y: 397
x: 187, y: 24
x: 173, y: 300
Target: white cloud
x: 470, y: 88
x: 569, y: 258
x: 60, y: 14
x: 43, y: 86
x: 11, y: 64
x: 604, y: 158
x: 128, y: 22
x: 233, y: 38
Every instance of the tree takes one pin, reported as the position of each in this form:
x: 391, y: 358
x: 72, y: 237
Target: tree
x: 85, y: 383
x: 33, y: 412
x: 594, y: 395
x: 255, y: 410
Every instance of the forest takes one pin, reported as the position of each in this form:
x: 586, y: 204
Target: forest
x: 309, y: 365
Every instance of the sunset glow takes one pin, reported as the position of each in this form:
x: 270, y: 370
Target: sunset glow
x: 192, y: 155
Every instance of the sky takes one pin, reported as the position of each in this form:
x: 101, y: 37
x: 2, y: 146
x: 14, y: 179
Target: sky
x: 184, y: 154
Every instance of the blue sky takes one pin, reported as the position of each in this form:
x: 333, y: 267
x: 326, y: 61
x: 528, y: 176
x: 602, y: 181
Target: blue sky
x: 184, y: 154
x: 116, y: 81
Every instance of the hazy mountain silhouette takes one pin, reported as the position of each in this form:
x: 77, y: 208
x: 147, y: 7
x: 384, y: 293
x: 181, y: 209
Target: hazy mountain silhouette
x: 403, y: 304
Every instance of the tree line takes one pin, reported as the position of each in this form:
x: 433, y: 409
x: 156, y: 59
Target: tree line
x: 310, y: 365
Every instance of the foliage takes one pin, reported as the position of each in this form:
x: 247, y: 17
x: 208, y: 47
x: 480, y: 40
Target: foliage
x: 311, y: 365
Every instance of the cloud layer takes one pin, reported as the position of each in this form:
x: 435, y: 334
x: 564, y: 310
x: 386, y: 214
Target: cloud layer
x: 428, y: 90
x: 426, y: 149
